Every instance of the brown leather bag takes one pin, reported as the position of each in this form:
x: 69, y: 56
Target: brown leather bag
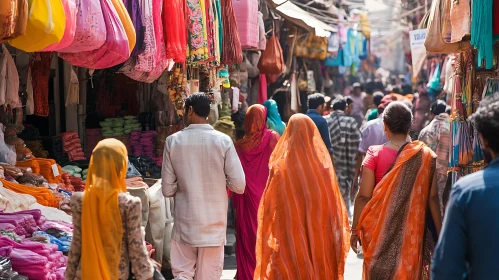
x: 434, y: 41
x: 272, y: 60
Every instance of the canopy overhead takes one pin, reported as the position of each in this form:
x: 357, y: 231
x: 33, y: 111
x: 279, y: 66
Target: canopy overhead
x: 301, y: 17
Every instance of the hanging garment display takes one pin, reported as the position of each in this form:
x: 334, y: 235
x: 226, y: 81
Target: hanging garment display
x: 70, y: 29
x: 311, y: 46
x: 481, y: 32
x: 30, y: 102
x: 14, y: 16
x: 12, y: 94
x: 174, y: 29
x: 40, y: 72
x: 90, y: 31
x: 46, y: 25
x: 3, y: 76
x: 135, y: 11
x: 246, y: 12
x: 460, y: 18
x: 495, y: 19
x: 196, y: 27
x: 434, y: 41
x: 272, y: 60
x: 117, y: 47
x: 73, y: 97
x: 231, y: 45
x: 262, y: 38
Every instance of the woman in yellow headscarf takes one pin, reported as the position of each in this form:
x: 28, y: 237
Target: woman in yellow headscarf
x: 107, y: 235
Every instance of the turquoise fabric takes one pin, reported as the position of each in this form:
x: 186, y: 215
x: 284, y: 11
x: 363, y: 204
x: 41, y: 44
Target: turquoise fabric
x: 274, y: 120
x: 481, y: 32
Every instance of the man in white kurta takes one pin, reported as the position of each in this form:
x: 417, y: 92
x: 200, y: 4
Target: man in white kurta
x: 198, y: 164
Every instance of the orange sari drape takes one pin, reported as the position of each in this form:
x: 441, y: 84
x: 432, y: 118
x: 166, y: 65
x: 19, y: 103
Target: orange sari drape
x: 394, y: 226
x: 302, y: 220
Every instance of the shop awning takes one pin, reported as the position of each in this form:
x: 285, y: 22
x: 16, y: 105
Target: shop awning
x: 300, y: 17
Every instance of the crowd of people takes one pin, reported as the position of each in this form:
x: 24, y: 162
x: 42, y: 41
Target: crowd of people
x: 291, y: 187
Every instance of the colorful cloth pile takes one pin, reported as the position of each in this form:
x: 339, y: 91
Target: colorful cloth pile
x: 72, y: 146
x: 143, y: 143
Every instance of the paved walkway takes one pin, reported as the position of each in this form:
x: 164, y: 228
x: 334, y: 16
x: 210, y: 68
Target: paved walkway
x: 353, y: 268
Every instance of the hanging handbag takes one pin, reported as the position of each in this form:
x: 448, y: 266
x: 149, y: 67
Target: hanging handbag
x: 272, y: 60
x: 434, y: 41
x: 45, y: 26
x: 14, y: 16
x: 311, y: 46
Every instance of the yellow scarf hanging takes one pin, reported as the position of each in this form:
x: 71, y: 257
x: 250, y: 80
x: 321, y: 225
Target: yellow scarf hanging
x: 102, y: 230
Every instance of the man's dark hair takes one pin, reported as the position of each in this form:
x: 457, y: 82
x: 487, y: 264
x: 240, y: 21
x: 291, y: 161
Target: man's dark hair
x: 200, y: 104
x: 438, y: 107
x: 315, y: 100
x: 448, y: 109
x: 396, y: 90
x: 340, y: 104
x: 486, y: 120
x: 421, y: 83
x: 377, y: 97
x: 397, y: 117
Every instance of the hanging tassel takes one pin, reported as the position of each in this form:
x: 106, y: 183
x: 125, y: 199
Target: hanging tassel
x: 231, y: 45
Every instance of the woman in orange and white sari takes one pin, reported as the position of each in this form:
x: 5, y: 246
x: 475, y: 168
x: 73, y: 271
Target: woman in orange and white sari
x: 397, y: 211
x: 302, y: 219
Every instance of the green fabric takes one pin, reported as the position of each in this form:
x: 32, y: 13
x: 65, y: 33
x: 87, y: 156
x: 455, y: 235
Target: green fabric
x: 481, y: 32
x: 373, y: 115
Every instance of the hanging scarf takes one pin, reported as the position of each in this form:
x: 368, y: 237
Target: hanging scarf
x: 102, y: 228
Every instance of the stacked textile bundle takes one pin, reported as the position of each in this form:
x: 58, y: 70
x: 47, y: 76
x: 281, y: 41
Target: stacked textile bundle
x: 37, y: 148
x: 146, y: 166
x: 131, y: 124
x: 72, y: 146
x: 143, y: 143
x: 55, y: 148
x: 47, y: 167
x: 117, y: 127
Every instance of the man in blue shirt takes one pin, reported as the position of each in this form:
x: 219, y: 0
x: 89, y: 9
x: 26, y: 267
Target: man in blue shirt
x: 468, y: 246
x: 316, y: 103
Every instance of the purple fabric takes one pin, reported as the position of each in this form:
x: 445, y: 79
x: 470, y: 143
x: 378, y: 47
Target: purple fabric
x: 135, y: 12
x: 36, y: 213
x: 57, y: 225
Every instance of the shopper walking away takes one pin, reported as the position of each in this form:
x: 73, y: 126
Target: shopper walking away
x: 437, y: 136
x: 274, y: 120
x: 316, y: 103
x: 467, y: 248
x: 358, y: 110
x: 254, y: 151
x: 198, y: 163
x: 107, y: 234
x: 373, y: 113
x: 302, y: 220
x: 397, y: 206
x: 345, y: 137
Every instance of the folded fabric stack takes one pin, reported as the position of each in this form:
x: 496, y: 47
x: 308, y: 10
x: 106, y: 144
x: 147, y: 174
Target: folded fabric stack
x: 47, y: 171
x: 42, y: 195
x: 34, y: 260
x: 72, y: 183
x: 37, y: 148
x: 84, y: 174
x: 132, y: 124
x: 32, y: 163
x: 143, y: 143
x: 72, y: 146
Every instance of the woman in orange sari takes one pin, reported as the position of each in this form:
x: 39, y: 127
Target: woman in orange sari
x: 302, y: 219
x: 397, y: 210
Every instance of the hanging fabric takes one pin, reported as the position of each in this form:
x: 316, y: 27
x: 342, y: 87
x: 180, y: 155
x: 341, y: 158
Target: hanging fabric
x: 135, y: 11
x: 70, y: 30
x: 30, y: 102
x: 246, y: 12
x: 14, y: 16
x: 481, y: 32
x: 12, y: 94
x: 174, y: 28
x: 40, y: 75
x: 460, y: 18
x: 3, y: 76
x: 73, y: 97
x: 262, y: 38
x: 46, y: 25
x: 231, y: 49
x: 117, y: 47
x: 196, y: 28
x: 90, y: 31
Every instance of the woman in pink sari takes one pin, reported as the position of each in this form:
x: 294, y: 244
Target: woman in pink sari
x: 254, y: 151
